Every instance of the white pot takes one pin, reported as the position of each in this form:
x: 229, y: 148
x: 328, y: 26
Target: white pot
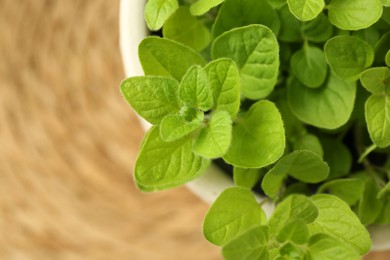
x: 214, y: 181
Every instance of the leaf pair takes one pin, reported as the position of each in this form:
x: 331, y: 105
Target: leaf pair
x: 307, y: 228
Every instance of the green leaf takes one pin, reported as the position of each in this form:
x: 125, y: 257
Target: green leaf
x: 335, y: 218
x: 234, y: 212
x: 349, y: 190
x: 291, y: 251
x: 317, y: 30
x: 187, y: 29
x: 174, y: 127
x: 338, y: 157
x: 162, y: 165
x: 292, y: 208
x: 245, y: 177
x: 384, y: 216
x: 369, y: 206
x: 158, y: 11
x: 295, y: 231
x: 387, y: 58
x: 378, y: 119
x: 385, y: 2
x: 384, y: 191
x: 325, y: 247
x: 151, y: 97
x: 224, y: 81
x: 309, y: 66
x: 308, y: 142
x: 253, y: 244
x: 303, y: 165
x: 163, y: 57
x: 376, y: 80
x: 213, y: 141
x: 370, y: 35
x: 329, y: 106
x: 354, y: 14
x: 348, y: 56
x: 290, y: 30
x: 194, y: 89
x: 256, y: 52
x: 306, y: 10
x: 203, y: 6
x: 382, y: 47
x: 256, y: 12
x: 261, y: 132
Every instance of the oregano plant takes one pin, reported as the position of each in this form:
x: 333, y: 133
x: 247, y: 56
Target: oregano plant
x: 294, y: 97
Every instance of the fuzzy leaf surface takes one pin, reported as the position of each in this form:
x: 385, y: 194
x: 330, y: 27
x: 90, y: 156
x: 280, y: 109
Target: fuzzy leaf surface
x: 329, y: 106
x: 173, y: 127
x: 258, y: 138
x: 195, y: 90
x: 162, y: 165
x: 306, y: 10
x: 213, y: 140
x: 253, y: 244
x: 158, y: 11
x: 187, y: 29
x: 354, y: 14
x: 255, y: 50
x: 224, y: 80
x: 152, y: 97
x: 348, y: 56
x: 164, y: 57
x: 335, y: 218
x: 234, y: 212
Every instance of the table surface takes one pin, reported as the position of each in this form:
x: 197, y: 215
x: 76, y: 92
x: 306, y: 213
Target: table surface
x: 69, y: 142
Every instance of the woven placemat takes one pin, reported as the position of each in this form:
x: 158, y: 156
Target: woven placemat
x: 68, y: 143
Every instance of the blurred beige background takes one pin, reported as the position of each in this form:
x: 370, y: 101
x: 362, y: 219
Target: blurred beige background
x: 68, y: 143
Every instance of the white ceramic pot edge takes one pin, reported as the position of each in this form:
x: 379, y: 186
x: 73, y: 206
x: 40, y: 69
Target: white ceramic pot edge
x: 132, y: 30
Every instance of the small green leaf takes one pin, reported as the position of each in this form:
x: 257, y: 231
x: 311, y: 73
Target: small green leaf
x: 174, y: 127
x: 290, y: 30
x: 376, y: 80
x: 354, y: 14
x: 349, y: 190
x: 255, y: 50
x: 158, y: 11
x: 338, y: 157
x: 161, y: 165
x: 378, y: 119
x: 187, y: 29
x: 213, y: 141
x: 194, y: 89
x: 291, y: 251
x: 292, y: 208
x: 224, y: 81
x: 163, y: 57
x: 369, y: 206
x: 387, y: 58
x: 382, y: 46
x: 335, y: 218
x: 384, y: 216
x: 306, y: 10
x: 245, y: 177
x: 370, y: 35
x: 348, y: 56
x: 303, y: 165
x: 231, y: 16
x: 234, y: 212
x: 317, y: 30
x: 252, y: 245
x: 203, y: 6
x: 325, y: 247
x: 261, y: 132
x: 309, y: 66
x: 329, y: 106
x: 308, y: 142
x: 153, y: 98
x: 385, y: 3
x: 295, y: 231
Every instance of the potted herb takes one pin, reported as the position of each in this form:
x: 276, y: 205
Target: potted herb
x: 294, y: 96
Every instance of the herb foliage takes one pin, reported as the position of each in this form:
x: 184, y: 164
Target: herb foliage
x: 295, y: 95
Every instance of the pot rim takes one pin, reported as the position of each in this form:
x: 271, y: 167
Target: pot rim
x: 208, y: 186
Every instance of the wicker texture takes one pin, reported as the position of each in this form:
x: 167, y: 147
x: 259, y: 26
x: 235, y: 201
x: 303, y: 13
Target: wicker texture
x: 69, y: 141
